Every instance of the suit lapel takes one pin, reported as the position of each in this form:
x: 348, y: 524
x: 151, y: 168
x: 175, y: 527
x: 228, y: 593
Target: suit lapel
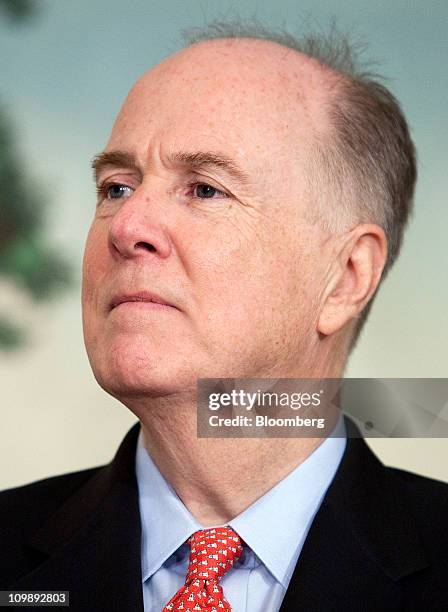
x: 362, y: 540
x: 91, y: 545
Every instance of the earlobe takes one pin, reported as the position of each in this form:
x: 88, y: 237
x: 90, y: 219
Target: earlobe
x: 355, y: 279
x: 330, y: 321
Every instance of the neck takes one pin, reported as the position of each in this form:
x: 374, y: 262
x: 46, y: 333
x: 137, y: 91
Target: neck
x: 216, y: 478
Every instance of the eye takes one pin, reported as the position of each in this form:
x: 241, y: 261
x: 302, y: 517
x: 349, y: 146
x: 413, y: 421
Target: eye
x: 115, y: 191
x: 205, y: 191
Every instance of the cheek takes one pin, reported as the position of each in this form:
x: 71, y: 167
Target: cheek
x: 93, y: 272
x: 94, y: 261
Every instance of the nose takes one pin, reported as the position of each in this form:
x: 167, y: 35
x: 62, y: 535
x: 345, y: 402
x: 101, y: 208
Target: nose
x: 137, y: 229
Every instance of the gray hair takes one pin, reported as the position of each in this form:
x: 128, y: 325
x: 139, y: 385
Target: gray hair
x: 370, y: 159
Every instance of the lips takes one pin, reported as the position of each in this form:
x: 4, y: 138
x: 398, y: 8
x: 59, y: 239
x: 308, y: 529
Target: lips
x: 140, y: 296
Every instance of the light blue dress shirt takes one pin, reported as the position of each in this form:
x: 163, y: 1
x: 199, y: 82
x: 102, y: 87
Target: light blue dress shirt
x: 274, y: 528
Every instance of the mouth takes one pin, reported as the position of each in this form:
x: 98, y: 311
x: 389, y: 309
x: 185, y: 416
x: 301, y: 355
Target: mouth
x: 140, y: 299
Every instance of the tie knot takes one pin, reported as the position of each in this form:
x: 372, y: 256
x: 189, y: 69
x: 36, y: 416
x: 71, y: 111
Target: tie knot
x: 213, y: 553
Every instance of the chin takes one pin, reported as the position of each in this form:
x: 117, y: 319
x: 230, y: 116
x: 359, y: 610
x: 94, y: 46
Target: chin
x: 130, y: 375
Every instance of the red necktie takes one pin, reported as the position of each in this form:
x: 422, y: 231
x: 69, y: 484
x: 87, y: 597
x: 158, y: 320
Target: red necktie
x: 213, y: 553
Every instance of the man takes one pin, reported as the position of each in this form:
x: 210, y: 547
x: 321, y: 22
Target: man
x: 250, y: 198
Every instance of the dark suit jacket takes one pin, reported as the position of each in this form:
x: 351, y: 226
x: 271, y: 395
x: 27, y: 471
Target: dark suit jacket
x: 378, y: 542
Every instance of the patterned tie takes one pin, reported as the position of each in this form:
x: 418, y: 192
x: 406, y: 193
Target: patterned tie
x: 213, y: 553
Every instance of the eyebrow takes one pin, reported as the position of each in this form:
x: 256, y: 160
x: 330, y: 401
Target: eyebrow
x: 118, y: 159
x: 198, y: 160
x: 208, y: 159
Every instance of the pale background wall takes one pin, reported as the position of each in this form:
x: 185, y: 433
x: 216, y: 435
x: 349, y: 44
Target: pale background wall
x: 64, y: 77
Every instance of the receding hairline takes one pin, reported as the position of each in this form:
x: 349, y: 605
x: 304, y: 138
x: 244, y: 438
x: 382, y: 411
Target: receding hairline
x: 305, y: 61
x: 315, y: 81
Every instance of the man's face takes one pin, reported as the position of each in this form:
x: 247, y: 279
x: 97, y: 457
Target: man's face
x: 206, y: 210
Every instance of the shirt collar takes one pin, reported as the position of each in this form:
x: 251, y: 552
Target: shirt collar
x: 166, y: 522
x: 274, y: 526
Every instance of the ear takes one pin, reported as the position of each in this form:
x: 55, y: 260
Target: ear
x: 355, y: 279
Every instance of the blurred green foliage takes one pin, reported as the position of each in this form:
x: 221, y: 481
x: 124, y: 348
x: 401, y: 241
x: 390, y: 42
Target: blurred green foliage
x: 26, y: 259
x: 18, y: 9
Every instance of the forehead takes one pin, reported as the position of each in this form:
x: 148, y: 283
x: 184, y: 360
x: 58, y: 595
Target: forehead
x: 251, y: 97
